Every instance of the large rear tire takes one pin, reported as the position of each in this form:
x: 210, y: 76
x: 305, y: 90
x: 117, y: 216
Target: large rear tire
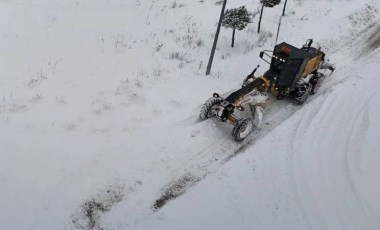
x: 242, y: 129
x: 207, y: 106
x: 301, y: 93
x: 316, y: 82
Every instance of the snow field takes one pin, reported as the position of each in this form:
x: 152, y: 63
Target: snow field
x: 99, y: 101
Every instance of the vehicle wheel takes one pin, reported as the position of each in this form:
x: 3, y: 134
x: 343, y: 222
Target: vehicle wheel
x: 316, y: 82
x: 242, y: 129
x: 206, y: 108
x: 301, y: 93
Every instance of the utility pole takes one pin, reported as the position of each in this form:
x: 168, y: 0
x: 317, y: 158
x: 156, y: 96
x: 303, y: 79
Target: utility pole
x: 278, y: 29
x: 283, y: 11
x: 208, y: 70
x: 261, y: 15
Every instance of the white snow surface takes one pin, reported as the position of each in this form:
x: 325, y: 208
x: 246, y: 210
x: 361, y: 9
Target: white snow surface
x: 99, y: 105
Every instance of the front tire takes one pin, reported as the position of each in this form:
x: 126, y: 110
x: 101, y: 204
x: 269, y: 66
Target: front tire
x: 316, y: 82
x: 206, y: 108
x: 242, y: 129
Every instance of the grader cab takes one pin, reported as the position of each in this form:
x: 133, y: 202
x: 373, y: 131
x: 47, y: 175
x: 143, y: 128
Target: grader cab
x: 289, y: 65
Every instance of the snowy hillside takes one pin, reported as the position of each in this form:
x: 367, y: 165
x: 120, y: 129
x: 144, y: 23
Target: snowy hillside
x: 99, y: 118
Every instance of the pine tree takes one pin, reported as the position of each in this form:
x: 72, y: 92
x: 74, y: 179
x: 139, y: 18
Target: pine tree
x: 236, y: 18
x: 270, y: 3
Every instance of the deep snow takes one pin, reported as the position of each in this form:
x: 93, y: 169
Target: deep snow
x: 99, y: 106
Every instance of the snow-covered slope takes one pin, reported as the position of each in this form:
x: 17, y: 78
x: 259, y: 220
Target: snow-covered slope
x: 98, y: 119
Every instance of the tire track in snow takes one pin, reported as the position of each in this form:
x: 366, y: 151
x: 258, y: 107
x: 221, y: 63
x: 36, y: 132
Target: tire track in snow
x: 293, y: 178
x: 297, y: 155
x: 363, y: 111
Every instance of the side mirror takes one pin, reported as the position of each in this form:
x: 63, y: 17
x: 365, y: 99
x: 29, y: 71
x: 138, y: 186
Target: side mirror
x: 261, y: 54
